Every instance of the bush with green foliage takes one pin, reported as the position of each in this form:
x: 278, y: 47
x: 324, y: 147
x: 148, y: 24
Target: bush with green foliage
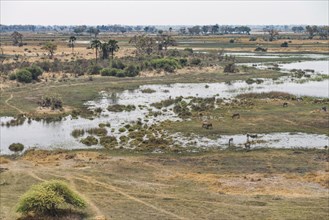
x: 24, y: 75
x: 89, y: 140
x: 195, y: 61
x: 16, y: 147
x: 167, y: 64
x: 94, y: 69
x: 35, y: 70
x: 230, y: 68
x: 253, y: 38
x: 183, y: 61
x: 12, y: 76
x: 189, y: 50
x: 53, y: 102
x: 131, y: 70
x: 118, y: 64
x: 48, y: 199
x: 120, y: 74
x: 284, y: 44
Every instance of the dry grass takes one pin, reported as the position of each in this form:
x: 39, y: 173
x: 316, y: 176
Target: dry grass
x: 227, y: 183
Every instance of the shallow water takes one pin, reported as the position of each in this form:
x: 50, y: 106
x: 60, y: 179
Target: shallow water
x: 58, y: 134
x: 273, y: 140
x: 278, y: 55
x: 319, y: 66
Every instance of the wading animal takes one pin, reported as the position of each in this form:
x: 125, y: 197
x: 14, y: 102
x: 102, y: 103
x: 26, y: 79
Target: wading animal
x: 236, y: 115
x: 252, y: 135
x: 206, y: 124
x: 285, y: 104
x: 247, y: 145
x: 230, y: 141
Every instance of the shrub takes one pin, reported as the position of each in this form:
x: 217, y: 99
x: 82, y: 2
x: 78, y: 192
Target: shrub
x: 131, y: 71
x: 169, y: 68
x: 120, y: 74
x: 90, y: 140
x: 97, y: 131
x: 148, y: 90
x: 24, y: 75
x: 188, y: 50
x: 284, y: 44
x: 77, y: 132
x: 261, y: 49
x: 105, y: 72
x: 12, y: 76
x: 48, y: 198
x: 122, y: 129
x: 195, y: 61
x: 94, y: 69
x: 16, y: 147
x: 232, y: 41
x: 230, y: 68
x: 117, y: 64
x: 252, y: 38
x: 52, y: 102
x: 35, y: 70
x: 121, y: 108
x: 163, y: 63
x: 183, y: 61
x: 108, y: 141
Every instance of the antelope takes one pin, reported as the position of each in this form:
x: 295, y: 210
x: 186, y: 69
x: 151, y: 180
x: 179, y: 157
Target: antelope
x: 236, y: 115
x: 206, y: 124
x: 247, y: 145
x: 230, y: 141
x: 285, y: 104
x: 252, y: 135
x: 324, y: 108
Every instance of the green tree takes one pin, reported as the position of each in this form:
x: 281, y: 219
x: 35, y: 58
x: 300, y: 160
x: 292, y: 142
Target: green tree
x: 311, y: 30
x: 143, y: 44
x: 51, y: 48
x: 113, y: 47
x: 272, y: 33
x: 323, y: 32
x: 48, y: 198
x: 17, y: 38
x: 93, y: 31
x: 72, y: 42
x: 96, y: 44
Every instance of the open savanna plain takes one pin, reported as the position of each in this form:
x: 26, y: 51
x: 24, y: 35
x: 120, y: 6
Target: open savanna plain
x: 229, y: 184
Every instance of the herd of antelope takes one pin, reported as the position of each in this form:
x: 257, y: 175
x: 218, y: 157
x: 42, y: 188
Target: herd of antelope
x: 207, y: 124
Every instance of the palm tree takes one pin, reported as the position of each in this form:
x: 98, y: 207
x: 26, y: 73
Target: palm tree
x: 72, y: 41
x: 105, y: 50
x: 113, y: 47
x: 96, y: 44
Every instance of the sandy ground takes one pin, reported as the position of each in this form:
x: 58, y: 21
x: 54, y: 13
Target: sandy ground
x: 116, y: 187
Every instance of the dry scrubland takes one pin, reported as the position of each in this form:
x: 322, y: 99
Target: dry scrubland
x: 231, y: 184
x: 218, y: 184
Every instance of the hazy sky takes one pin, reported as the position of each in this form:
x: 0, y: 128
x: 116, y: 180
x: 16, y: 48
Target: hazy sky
x: 164, y: 12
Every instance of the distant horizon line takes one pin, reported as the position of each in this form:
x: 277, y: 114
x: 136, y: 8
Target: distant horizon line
x: 162, y: 24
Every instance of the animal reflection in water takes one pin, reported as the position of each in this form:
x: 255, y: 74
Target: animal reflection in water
x: 247, y: 144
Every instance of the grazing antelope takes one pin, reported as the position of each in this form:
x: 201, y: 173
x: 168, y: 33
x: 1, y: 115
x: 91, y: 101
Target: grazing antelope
x: 230, y: 141
x: 285, y: 104
x: 206, y: 124
x: 252, y: 135
x: 247, y: 145
x: 236, y: 115
x: 324, y: 108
